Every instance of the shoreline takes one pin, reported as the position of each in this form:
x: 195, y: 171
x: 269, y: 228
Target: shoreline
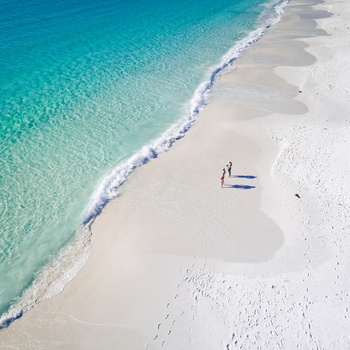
x: 77, y: 252
x: 175, y: 254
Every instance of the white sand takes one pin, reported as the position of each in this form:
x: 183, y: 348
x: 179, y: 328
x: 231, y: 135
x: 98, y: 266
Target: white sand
x: 179, y: 263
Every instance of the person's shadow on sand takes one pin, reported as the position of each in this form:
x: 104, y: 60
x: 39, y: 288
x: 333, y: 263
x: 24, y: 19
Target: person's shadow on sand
x: 250, y: 177
x: 242, y: 187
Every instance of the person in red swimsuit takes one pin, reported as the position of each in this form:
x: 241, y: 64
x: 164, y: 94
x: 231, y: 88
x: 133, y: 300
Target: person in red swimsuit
x: 223, y: 177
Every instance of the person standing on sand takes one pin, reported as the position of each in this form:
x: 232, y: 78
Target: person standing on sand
x: 229, y: 167
x: 223, y: 177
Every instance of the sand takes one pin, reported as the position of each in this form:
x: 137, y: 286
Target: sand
x: 179, y: 263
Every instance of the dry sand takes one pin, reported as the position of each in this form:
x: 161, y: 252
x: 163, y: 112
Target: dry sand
x: 179, y: 263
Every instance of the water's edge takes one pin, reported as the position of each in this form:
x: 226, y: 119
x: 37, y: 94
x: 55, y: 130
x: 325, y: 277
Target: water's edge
x: 64, y: 266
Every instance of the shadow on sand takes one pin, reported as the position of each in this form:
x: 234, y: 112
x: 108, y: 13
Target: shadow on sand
x: 240, y: 187
x: 250, y: 177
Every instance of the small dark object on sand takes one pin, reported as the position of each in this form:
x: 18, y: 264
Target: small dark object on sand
x: 296, y: 195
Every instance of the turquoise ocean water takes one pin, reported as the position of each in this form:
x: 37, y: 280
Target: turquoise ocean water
x: 89, y: 90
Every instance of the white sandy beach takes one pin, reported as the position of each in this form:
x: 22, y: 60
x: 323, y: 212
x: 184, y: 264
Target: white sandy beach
x: 179, y: 263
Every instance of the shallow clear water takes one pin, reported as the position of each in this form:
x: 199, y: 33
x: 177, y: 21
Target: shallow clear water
x: 84, y: 86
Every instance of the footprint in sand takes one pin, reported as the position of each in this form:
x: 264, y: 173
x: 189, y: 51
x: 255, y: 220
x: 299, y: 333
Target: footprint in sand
x: 156, y: 337
x: 159, y: 325
x: 169, y: 332
x: 167, y: 316
x: 163, y: 343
